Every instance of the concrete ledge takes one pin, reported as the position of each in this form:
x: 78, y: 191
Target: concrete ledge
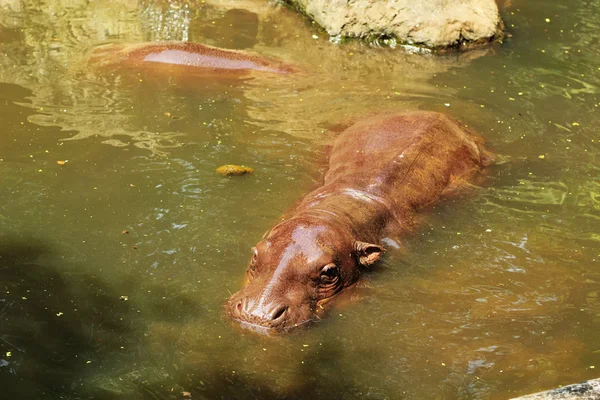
x: 589, y: 390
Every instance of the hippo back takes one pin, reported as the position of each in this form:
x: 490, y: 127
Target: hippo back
x: 408, y: 159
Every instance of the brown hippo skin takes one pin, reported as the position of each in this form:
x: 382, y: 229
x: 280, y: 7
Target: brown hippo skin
x: 381, y: 172
x: 186, y: 58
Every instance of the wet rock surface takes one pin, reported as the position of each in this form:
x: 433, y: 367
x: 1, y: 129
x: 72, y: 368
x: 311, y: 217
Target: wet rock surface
x: 589, y: 390
x: 431, y: 23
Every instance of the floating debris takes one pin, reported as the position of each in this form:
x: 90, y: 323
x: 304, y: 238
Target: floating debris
x: 234, y: 170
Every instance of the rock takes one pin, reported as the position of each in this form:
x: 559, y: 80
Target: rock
x: 589, y: 390
x: 431, y: 23
x: 235, y: 170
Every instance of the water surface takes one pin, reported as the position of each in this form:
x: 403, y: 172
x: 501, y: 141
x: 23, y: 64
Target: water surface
x: 114, y: 267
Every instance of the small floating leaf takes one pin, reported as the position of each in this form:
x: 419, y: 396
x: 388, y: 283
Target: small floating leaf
x: 235, y: 170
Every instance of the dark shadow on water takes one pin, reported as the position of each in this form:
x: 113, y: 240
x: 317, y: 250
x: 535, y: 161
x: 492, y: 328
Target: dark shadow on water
x: 221, y: 34
x: 215, y: 378
x: 65, y: 334
x: 54, y: 325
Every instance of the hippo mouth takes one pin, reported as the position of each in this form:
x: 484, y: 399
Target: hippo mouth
x: 270, y: 330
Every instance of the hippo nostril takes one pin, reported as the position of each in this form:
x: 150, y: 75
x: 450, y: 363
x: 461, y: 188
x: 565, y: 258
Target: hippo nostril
x: 239, y: 307
x: 278, y: 312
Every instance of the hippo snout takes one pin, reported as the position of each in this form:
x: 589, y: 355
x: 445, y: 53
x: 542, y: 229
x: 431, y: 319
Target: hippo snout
x: 266, y: 315
x: 269, y: 318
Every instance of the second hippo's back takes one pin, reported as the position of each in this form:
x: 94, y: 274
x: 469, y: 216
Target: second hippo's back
x: 187, y: 55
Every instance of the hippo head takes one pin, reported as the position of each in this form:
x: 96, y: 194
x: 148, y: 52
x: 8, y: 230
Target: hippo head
x: 300, y: 264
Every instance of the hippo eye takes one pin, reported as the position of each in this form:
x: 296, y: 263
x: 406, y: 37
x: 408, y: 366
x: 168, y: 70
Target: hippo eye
x: 329, y: 274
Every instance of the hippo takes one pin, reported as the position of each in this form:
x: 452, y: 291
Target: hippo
x: 186, y: 58
x: 382, y: 171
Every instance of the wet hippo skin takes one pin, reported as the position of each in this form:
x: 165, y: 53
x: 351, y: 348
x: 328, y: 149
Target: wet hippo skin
x: 190, y: 58
x: 382, y: 170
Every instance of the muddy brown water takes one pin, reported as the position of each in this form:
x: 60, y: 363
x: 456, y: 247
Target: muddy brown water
x: 114, y: 267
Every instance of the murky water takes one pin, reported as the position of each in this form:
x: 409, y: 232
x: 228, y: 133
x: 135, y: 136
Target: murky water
x: 115, y: 266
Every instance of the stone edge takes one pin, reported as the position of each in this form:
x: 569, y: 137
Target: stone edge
x: 589, y: 390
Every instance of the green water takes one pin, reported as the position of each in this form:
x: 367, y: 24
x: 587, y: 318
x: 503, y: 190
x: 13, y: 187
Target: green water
x: 497, y: 295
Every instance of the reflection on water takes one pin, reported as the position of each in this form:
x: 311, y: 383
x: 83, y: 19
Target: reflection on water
x: 115, y: 266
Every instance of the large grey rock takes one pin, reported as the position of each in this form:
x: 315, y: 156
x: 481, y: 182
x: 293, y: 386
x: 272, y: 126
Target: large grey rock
x: 589, y: 390
x: 432, y: 23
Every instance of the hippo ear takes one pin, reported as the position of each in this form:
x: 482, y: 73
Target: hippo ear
x: 368, y: 253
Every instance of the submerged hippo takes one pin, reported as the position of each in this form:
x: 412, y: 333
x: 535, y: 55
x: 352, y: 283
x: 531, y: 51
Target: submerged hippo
x: 381, y: 172
x: 189, y: 58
